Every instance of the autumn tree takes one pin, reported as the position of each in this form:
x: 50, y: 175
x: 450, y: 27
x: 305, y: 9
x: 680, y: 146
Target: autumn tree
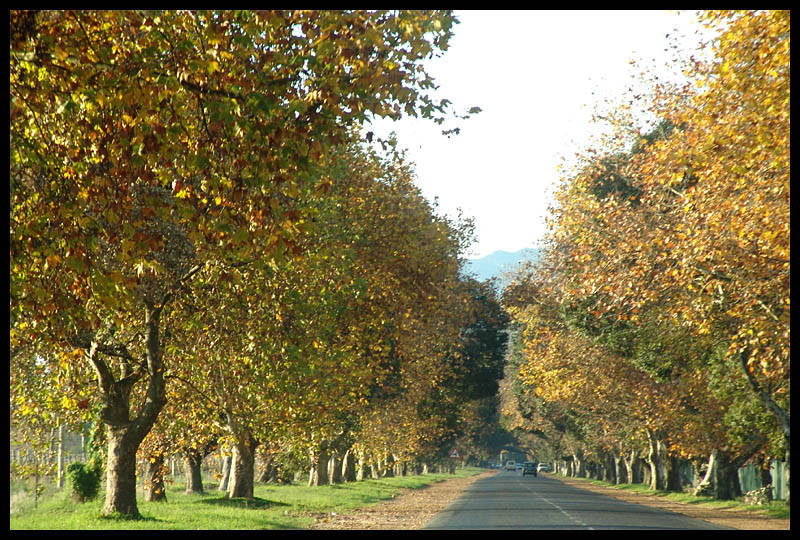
x: 672, y: 254
x: 148, y: 146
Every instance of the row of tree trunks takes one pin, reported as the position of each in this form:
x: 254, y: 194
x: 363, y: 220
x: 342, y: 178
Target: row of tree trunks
x: 662, y: 469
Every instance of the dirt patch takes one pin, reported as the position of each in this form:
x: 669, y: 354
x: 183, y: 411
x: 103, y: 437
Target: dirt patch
x: 413, y: 508
x: 409, y: 509
x: 737, y: 519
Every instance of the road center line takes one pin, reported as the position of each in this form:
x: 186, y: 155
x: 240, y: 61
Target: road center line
x: 557, y: 507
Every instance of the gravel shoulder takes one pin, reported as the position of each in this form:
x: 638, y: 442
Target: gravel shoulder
x: 409, y: 509
x: 413, y: 508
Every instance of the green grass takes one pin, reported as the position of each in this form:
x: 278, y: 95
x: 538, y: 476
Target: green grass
x: 292, y: 506
x: 775, y: 509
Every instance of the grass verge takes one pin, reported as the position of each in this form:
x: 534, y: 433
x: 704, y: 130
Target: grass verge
x: 291, y: 506
x: 775, y: 509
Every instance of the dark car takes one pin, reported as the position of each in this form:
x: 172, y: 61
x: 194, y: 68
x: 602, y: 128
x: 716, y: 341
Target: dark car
x: 529, y: 467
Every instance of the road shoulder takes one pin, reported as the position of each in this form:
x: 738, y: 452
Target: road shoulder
x: 737, y: 519
x: 409, y: 509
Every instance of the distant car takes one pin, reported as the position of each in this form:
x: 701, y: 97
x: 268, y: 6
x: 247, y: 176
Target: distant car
x: 543, y: 467
x: 529, y: 467
x: 510, y: 465
x: 519, y: 466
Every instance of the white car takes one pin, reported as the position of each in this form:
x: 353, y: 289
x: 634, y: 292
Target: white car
x: 511, y: 466
x: 543, y: 467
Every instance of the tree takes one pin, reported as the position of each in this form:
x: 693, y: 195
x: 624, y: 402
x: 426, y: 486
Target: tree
x: 147, y: 146
x: 664, y: 260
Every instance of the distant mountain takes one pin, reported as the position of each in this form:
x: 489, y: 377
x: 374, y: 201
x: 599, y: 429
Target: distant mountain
x: 498, y: 263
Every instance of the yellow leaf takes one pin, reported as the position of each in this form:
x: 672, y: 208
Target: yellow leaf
x: 60, y: 53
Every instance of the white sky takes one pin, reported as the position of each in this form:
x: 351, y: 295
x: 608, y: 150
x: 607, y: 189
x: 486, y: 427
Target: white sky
x: 535, y: 75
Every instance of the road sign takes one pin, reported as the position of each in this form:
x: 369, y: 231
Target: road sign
x: 454, y: 453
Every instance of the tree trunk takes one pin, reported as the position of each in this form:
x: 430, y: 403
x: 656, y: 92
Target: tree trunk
x: 726, y: 478
x: 387, y: 467
x: 243, y: 461
x: 123, y: 434
x: 335, y: 469
x: 348, y: 467
x: 361, y: 469
x: 673, y: 479
x: 578, y: 467
x: 620, y: 474
x: 193, y: 462
x: 610, y: 469
x: 654, y: 461
x: 764, y: 473
x: 781, y: 414
x: 634, y: 463
x: 318, y: 475
x: 121, y: 473
x: 154, y: 478
x: 267, y: 471
x: 706, y: 485
x: 226, y: 473
x: 60, y: 471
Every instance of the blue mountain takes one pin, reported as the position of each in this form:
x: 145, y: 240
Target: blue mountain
x: 498, y: 263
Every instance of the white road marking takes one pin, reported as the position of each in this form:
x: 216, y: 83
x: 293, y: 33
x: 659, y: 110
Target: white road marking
x: 554, y: 505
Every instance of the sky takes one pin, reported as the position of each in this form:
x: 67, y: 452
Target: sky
x: 536, y: 75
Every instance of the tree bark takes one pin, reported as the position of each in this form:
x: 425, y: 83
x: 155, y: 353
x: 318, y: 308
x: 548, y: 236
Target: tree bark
x: 123, y: 434
x: 781, y: 414
x: 348, y: 467
x: 242, y: 475
x: 620, y: 473
x: 193, y: 462
x: 267, y: 471
x: 318, y: 474
x: 335, y: 469
x: 706, y: 485
x: 226, y: 473
x: 60, y: 470
x: 121, y: 473
x: 610, y: 469
x: 361, y: 469
x: 654, y: 461
x: 633, y: 464
x: 673, y: 477
x: 726, y: 477
x: 154, y: 478
x: 387, y: 470
x: 578, y: 465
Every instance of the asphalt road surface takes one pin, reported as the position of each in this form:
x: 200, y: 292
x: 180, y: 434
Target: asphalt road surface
x: 508, y: 500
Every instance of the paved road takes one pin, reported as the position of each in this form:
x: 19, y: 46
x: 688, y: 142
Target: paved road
x: 507, y: 500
